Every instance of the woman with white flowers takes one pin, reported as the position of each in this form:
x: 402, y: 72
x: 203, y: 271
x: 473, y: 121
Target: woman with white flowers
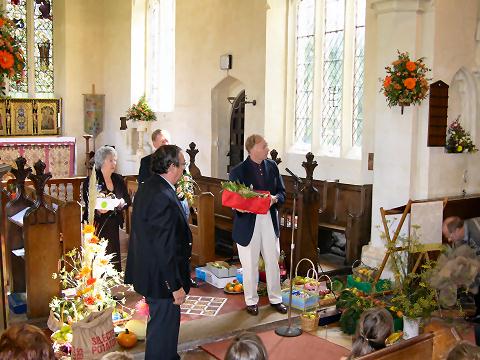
x: 111, y: 184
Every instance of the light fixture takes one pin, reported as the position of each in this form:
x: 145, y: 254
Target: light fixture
x: 231, y: 100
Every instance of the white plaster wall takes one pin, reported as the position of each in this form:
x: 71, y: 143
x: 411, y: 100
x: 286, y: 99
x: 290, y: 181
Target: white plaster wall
x: 205, y: 30
x: 455, y: 48
x: 79, y: 43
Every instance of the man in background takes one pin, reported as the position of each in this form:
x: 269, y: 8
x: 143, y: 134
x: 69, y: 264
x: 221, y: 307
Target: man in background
x: 458, y: 231
x: 159, y: 138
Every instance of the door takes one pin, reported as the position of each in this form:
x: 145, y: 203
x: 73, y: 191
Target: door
x: 237, y: 126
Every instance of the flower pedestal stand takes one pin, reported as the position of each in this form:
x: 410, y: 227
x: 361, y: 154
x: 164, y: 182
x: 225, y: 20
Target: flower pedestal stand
x: 402, y: 105
x: 141, y: 127
x: 410, y: 327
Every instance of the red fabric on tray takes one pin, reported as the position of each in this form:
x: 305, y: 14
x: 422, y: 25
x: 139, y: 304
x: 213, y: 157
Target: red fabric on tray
x: 256, y: 205
x: 305, y: 346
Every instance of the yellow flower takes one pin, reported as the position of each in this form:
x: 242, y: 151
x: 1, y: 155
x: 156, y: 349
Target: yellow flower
x: 89, y: 229
x: 459, y: 148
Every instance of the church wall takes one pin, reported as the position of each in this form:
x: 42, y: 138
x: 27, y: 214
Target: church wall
x: 204, y: 31
x: 78, y: 63
x: 455, y: 48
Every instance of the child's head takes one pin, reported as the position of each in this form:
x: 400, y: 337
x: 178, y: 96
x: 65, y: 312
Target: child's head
x: 246, y: 346
x: 464, y: 351
x: 374, y: 326
x: 25, y: 342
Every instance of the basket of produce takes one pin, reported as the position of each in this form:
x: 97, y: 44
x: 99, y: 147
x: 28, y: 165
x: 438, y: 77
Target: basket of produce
x: 363, y: 272
x: 309, y: 321
x: 240, y: 197
x: 326, y: 294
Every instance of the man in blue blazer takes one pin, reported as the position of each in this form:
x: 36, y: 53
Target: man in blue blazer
x: 255, y: 234
x: 159, y: 250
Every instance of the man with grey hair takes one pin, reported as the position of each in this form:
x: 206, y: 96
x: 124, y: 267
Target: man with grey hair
x: 259, y: 233
x: 159, y: 138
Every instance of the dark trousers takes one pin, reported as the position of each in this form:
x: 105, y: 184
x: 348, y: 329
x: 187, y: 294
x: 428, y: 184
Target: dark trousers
x: 162, y: 330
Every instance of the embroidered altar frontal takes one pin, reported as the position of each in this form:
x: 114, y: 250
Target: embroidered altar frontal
x: 58, y: 153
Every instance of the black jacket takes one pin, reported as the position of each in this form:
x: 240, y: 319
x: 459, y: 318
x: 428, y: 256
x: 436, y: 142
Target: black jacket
x: 244, y: 223
x: 160, y: 242
x: 145, y: 169
x: 119, y: 189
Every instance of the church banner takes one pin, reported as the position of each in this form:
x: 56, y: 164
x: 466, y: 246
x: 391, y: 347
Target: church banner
x: 93, y: 111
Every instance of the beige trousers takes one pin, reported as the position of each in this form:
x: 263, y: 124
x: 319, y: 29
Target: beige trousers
x: 263, y: 241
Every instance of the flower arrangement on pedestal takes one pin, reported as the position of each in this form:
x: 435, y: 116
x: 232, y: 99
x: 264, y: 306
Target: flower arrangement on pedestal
x: 406, y: 82
x: 141, y: 111
x: 12, y: 61
x: 459, y: 140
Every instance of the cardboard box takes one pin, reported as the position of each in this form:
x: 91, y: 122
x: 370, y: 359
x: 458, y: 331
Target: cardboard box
x: 222, y: 272
x: 306, y: 303
x: 204, y: 274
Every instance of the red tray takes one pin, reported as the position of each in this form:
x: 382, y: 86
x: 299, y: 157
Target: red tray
x: 256, y: 205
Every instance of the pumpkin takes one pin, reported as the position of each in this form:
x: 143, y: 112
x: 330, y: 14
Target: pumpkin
x: 127, y: 339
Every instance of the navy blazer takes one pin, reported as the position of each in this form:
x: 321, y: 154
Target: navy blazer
x: 244, y: 223
x: 160, y: 246
x: 145, y: 169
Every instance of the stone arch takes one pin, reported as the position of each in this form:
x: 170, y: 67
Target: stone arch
x: 221, y: 110
x: 463, y: 101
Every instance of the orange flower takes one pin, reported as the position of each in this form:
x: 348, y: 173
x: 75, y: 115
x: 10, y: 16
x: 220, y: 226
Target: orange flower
x: 411, y: 66
x: 397, y: 86
x: 91, y: 281
x: 94, y: 240
x: 6, y: 59
x: 387, y: 81
x: 89, y: 229
x: 89, y: 300
x: 2, y: 22
x: 410, y: 83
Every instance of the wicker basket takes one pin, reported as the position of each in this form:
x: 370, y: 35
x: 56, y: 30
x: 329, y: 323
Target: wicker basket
x: 363, y: 277
x: 309, y: 324
x: 331, y: 301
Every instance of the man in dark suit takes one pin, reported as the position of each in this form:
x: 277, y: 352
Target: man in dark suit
x: 159, y: 138
x: 160, y: 247
x: 255, y: 234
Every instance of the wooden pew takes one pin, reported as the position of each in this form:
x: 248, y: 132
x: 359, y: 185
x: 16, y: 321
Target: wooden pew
x: 54, y: 216
x: 323, y: 207
x: 201, y: 224
x: 417, y: 348
x: 203, y: 232
x: 40, y: 235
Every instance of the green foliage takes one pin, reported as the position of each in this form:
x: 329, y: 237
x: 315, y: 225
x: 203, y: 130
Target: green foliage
x: 241, y: 189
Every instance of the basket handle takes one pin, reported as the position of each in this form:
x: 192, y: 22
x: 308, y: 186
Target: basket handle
x: 355, y: 262
x: 312, y: 268
x: 328, y: 277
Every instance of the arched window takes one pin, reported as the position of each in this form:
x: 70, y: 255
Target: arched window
x: 329, y: 75
x: 34, y: 21
x: 160, y: 55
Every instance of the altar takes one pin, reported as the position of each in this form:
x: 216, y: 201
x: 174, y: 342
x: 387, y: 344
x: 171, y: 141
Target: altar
x: 58, y: 153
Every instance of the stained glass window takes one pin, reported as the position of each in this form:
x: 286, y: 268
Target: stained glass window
x: 43, y: 49
x: 304, y: 71
x: 34, y: 22
x: 18, y: 13
x: 359, y: 72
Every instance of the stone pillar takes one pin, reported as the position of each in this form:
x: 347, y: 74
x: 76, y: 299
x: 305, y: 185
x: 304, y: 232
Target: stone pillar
x: 398, y: 25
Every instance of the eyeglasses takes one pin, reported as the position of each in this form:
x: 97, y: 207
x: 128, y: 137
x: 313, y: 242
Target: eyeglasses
x: 184, y: 164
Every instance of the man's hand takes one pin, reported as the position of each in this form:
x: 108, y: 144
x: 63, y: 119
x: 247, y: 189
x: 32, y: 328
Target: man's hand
x: 121, y: 204
x: 179, y: 296
x: 273, y: 199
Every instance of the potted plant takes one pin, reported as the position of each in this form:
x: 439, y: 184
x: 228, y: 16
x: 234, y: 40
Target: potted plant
x: 417, y: 299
